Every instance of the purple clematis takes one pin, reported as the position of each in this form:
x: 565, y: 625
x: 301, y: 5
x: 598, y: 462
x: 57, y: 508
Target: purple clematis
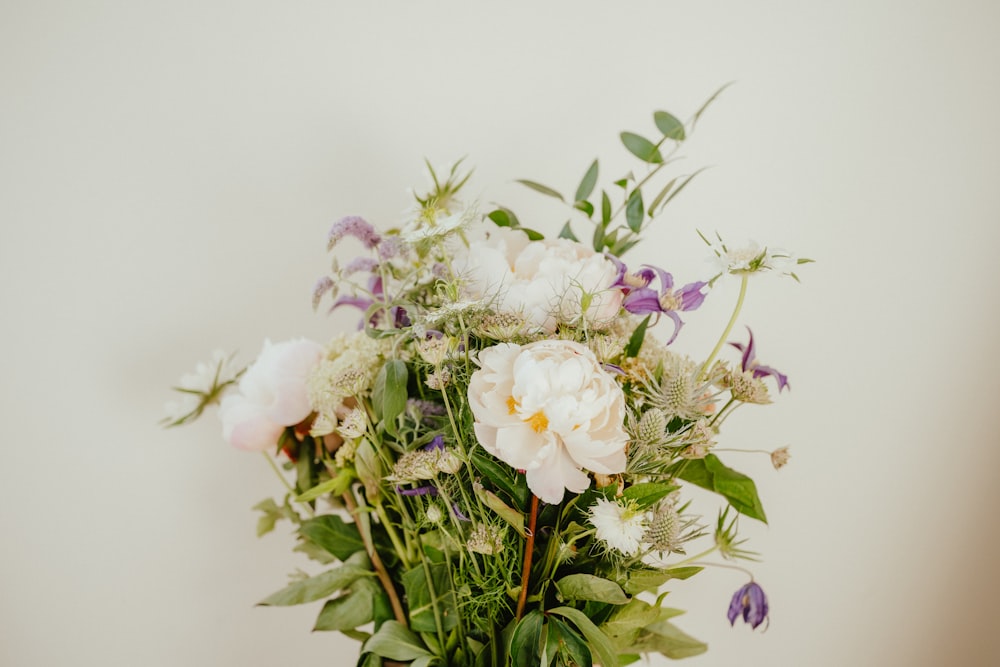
x: 749, y: 363
x: 751, y: 602
x: 641, y: 299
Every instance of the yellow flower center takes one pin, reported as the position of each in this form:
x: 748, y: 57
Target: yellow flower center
x: 538, y: 422
x: 511, y: 405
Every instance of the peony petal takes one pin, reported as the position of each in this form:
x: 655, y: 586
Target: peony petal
x: 519, y: 446
x: 559, y: 475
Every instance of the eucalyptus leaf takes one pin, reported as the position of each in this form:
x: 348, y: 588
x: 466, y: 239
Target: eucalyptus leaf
x: 500, y: 217
x: 605, y: 208
x: 538, y: 187
x: 708, y: 102
x: 680, y: 188
x: 598, y: 238
x: 567, y: 233
x: 599, y: 642
x: 586, y: 207
x: 634, y: 211
x: 660, y: 195
x: 532, y: 234
x: 590, y: 587
x: 641, y: 147
x: 669, y: 125
x: 587, y: 183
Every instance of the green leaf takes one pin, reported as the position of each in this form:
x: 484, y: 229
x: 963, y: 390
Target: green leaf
x: 585, y: 206
x: 667, y: 639
x: 634, y: 211
x: 370, y: 468
x: 532, y: 234
x: 506, y: 512
x: 635, y: 340
x: 598, y: 238
x: 599, y: 642
x: 605, y: 208
x: 681, y: 187
x: 563, y: 643
x: 316, y: 588
x: 642, y: 148
x: 389, y: 393
x: 741, y: 492
x: 669, y: 125
x: 394, y: 641
x: 660, y: 195
x: 647, y: 493
x: 347, y: 612
x: 544, y: 189
x: 272, y: 513
x: 651, y: 579
x: 525, y: 642
x: 500, y: 217
x: 590, y: 587
x: 624, y: 624
x: 336, y: 485
x: 333, y: 534
x: 419, y: 596
x: 502, y: 476
x: 684, y: 572
x: 709, y: 101
x: 587, y: 184
x: 567, y: 233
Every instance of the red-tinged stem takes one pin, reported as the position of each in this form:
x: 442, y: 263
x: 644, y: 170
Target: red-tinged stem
x: 529, y: 548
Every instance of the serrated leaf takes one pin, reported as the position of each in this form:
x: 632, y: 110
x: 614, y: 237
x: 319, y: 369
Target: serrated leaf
x: 590, y: 587
x: 599, y: 642
x: 345, y: 613
x: 333, y: 534
x: 635, y: 340
x: 646, y: 494
x: 641, y: 147
x: 634, y: 211
x: 567, y: 233
x: 669, y: 125
x: 394, y: 641
x: 587, y: 183
x: 316, y: 588
x: 538, y: 187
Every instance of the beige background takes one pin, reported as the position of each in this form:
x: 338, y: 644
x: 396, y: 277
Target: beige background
x: 169, y: 170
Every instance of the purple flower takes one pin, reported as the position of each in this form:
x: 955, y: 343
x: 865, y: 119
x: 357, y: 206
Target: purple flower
x: 358, y: 264
x: 322, y: 286
x: 354, y: 226
x: 641, y: 299
x: 749, y: 363
x: 751, y: 602
x: 419, y: 491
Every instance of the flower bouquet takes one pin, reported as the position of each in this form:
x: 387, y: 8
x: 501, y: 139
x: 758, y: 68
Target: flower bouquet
x: 492, y: 469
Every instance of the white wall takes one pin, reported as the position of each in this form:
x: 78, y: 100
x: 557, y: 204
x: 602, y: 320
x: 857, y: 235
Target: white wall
x: 168, y: 172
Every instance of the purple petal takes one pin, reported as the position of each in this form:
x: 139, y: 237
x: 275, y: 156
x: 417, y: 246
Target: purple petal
x: 677, y: 324
x: 666, y: 279
x: 436, y: 443
x: 642, y: 301
x: 458, y: 513
x: 419, y: 491
x: 620, y: 267
x: 736, y: 605
x: 763, y: 371
x: 755, y: 606
x: 690, y: 295
x: 357, y: 301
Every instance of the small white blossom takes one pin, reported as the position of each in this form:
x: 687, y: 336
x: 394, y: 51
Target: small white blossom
x: 620, y: 527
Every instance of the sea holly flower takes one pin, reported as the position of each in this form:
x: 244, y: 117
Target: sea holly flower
x: 750, y: 602
x: 272, y: 395
x: 550, y: 409
x: 749, y: 363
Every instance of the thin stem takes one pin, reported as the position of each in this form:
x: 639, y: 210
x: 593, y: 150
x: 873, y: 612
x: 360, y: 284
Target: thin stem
x: 729, y: 327
x: 287, y: 484
x: 401, y: 551
x: 694, y: 558
x: 380, y: 571
x: 529, y: 547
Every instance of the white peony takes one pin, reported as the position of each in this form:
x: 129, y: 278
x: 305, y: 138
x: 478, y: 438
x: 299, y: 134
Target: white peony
x: 272, y: 395
x: 547, y: 282
x: 550, y: 409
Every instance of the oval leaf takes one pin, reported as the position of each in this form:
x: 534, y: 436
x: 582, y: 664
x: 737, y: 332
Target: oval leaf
x: 316, y: 588
x: 589, y: 587
x: 669, y: 125
x: 394, y: 641
x: 642, y: 148
x: 587, y: 184
x: 634, y: 211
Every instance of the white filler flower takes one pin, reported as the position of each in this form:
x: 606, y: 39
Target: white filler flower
x: 620, y: 527
x: 550, y: 409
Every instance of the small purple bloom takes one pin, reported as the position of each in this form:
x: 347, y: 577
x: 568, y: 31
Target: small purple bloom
x: 354, y: 226
x: 322, y: 286
x: 751, y: 602
x: 359, y: 264
x: 641, y: 299
x: 749, y: 363
x: 419, y: 491
x: 436, y: 444
x: 458, y: 513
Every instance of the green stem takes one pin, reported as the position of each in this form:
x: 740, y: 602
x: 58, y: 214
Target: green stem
x: 401, y: 551
x: 694, y: 558
x: 729, y: 327
x: 287, y: 484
